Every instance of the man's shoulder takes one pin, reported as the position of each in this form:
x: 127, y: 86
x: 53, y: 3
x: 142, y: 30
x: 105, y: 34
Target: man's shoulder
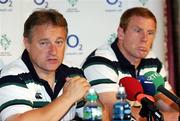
x: 102, y: 53
x: 14, y: 68
x: 69, y: 71
x: 104, y: 56
x: 105, y: 51
x: 151, y: 55
x: 152, y: 59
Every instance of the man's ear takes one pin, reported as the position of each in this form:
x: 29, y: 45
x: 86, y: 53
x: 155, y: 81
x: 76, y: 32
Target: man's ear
x: 120, y: 33
x: 26, y: 43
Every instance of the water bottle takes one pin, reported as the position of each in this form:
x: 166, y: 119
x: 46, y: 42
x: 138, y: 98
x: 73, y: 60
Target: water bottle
x: 122, y: 108
x: 92, y: 110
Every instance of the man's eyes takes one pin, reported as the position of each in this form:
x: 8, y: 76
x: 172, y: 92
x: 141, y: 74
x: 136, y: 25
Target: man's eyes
x: 48, y: 43
x: 151, y: 33
x: 137, y: 30
x: 44, y: 43
x: 59, y: 42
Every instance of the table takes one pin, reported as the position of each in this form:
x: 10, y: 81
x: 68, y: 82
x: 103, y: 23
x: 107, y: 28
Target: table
x: 168, y: 116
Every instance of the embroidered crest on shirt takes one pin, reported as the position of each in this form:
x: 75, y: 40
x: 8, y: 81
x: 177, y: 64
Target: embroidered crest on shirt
x: 38, y: 95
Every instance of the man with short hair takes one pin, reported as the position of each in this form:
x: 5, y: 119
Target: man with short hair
x: 37, y: 86
x: 129, y: 55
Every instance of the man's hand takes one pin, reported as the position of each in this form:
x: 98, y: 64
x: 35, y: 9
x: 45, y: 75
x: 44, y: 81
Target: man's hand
x: 75, y: 88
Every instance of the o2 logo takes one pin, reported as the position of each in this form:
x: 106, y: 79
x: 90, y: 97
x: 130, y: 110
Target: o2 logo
x: 3, y: 1
x: 73, y: 42
x: 114, y: 2
x: 6, y: 1
x: 41, y: 2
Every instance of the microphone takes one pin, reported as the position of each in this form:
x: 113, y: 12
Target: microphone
x: 148, y: 86
x: 133, y: 88
x: 134, y: 92
x: 159, y: 83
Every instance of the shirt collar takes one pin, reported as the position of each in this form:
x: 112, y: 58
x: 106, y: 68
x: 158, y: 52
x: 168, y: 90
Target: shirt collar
x: 119, y: 55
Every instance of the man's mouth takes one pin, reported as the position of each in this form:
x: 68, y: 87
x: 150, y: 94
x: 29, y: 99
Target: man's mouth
x: 53, y: 60
x: 142, y: 49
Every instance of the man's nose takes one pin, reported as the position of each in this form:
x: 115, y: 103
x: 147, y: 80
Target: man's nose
x: 53, y: 49
x: 144, y: 36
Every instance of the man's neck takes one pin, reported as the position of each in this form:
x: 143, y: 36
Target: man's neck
x: 48, y: 76
x: 134, y: 61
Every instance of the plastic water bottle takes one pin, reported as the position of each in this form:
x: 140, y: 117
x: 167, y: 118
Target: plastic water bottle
x: 122, y: 108
x: 92, y: 110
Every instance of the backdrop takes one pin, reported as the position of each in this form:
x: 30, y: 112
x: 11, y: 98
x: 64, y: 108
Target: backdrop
x: 91, y: 23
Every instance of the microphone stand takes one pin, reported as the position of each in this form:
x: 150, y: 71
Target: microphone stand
x: 158, y: 117
x: 145, y: 112
x: 149, y: 110
x: 149, y: 116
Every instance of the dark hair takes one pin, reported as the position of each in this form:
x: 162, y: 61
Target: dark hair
x: 41, y: 17
x: 136, y: 11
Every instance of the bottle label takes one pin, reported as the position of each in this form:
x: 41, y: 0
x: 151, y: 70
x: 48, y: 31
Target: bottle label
x: 92, y: 113
x: 121, y: 112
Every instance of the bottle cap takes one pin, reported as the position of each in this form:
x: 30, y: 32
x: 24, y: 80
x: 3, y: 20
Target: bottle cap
x: 121, y: 92
x: 92, y: 95
x: 121, y: 89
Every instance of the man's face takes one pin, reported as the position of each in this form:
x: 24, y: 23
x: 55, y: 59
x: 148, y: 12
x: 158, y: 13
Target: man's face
x: 137, y: 39
x: 47, y: 46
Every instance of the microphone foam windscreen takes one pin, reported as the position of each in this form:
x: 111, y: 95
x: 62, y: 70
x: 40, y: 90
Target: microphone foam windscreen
x: 132, y: 86
x: 148, y: 86
x: 156, y: 78
x: 141, y: 96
